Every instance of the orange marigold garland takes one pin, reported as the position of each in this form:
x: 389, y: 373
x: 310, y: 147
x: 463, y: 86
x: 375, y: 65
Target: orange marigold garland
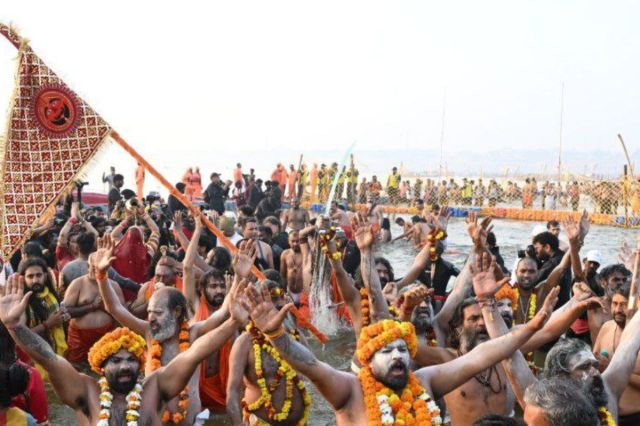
x: 414, y: 406
x: 112, y: 342
x: 285, y: 371
x: 156, y: 363
x: 104, y: 348
x: 365, y: 309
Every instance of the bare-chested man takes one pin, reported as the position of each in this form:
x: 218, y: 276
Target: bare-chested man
x: 291, y: 266
x: 386, y: 362
x: 295, y: 218
x: 89, y: 320
x: 605, y: 347
x: 167, y: 314
x: 118, y: 358
x: 244, y: 374
x: 374, y: 212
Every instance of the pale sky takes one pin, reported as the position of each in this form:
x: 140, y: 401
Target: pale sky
x: 258, y: 75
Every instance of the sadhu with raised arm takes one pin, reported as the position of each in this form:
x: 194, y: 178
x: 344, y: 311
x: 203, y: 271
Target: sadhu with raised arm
x: 123, y: 395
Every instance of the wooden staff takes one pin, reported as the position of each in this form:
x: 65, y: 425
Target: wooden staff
x: 626, y: 154
x: 634, y: 277
x: 221, y: 237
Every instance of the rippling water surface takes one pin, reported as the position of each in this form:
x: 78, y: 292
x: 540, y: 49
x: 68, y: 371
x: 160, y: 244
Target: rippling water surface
x: 338, y: 351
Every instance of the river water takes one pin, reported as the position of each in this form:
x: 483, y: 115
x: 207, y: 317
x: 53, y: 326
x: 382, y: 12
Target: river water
x: 511, y: 236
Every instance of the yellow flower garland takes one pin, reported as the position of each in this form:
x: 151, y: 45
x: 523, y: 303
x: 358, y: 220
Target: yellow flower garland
x: 414, y: 406
x: 156, y: 363
x: 606, y: 419
x: 260, y: 343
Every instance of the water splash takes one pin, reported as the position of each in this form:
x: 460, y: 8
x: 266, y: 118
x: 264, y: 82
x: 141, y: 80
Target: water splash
x: 323, y: 315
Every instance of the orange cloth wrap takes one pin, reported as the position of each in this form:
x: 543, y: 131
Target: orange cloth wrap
x: 80, y: 340
x: 213, y: 389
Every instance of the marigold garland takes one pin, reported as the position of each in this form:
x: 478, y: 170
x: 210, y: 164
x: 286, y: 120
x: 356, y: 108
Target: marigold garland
x: 285, y: 371
x: 376, y: 336
x: 606, y: 419
x: 156, y: 363
x: 365, y: 309
x: 112, y: 342
x: 414, y: 406
x: 133, y: 399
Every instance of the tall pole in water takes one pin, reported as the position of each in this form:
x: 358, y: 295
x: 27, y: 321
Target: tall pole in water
x: 560, y: 148
x: 444, y: 108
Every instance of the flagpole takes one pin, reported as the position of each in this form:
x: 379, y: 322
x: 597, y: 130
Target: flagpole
x: 221, y: 237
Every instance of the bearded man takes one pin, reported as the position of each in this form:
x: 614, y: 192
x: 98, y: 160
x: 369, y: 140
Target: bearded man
x: 167, y: 330
x: 606, y: 346
x: 122, y: 396
x: 569, y: 358
x: 385, y: 350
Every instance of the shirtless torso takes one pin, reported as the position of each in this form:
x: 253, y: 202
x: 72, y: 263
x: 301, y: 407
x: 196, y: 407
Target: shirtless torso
x: 83, y: 291
x: 605, y: 346
x: 291, y: 270
x: 243, y: 369
x: 296, y: 219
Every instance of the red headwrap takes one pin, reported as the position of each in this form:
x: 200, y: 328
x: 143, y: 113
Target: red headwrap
x: 132, y: 258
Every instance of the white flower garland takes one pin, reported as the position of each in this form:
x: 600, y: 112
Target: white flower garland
x: 106, y: 398
x: 386, y: 411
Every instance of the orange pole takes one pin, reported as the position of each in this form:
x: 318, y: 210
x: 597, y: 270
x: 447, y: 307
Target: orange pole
x: 221, y: 237
x: 173, y: 191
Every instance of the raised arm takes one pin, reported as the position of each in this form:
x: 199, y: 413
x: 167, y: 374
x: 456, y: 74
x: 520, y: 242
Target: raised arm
x: 189, y: 279
x: 347, y: 288
x: 556, y: 274
x: 101, y: 261
x: 572, y: 229
x: 461, y: 290
x: 446, y: 377
x: 365, y: 237
x: 116, y: 233
x: 70, y: 386
x: 177, y: 230
x: 334, y: 385
x: 419, y: 265
x: 238, y: 360
x: 175, y: 375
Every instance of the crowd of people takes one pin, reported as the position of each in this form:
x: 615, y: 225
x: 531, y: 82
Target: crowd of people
x: 138, y: 314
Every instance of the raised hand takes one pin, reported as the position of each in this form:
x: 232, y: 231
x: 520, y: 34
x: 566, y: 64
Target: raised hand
x: 177, y: 219
x: 483, y: 275
x: 572, y: 229
x: 101, y: 260
x: 13, y: 303
x: 263, y: 313
x: 478, y: 232
x: 390, y: 292
x: 545, y: 312
x: 238, y: 307
x: 441, y: 221
x: 244, y: 258
x: 412, y: 298
x: 363, y: 232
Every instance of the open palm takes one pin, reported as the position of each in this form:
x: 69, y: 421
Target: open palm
x: 263, y: 314
x: 483, y: 275
x: 13, y: 303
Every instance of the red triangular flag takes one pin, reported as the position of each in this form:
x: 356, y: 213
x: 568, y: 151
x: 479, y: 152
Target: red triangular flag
x: 51, y: 135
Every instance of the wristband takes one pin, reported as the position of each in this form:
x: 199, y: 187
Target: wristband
x: 101, y: 275
x: 274, y: 334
